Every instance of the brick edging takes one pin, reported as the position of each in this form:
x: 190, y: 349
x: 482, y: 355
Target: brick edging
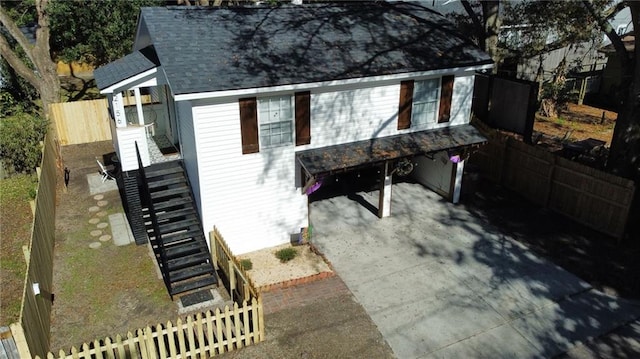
x: 295, y: 281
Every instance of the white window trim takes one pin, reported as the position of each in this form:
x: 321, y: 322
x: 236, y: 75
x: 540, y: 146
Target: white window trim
x: 434, y: 120
x: 260, y: 123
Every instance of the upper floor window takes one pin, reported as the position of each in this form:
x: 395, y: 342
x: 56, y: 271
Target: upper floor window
x: 275, y: 119
x: 270, y: 119
x: 425, y: 102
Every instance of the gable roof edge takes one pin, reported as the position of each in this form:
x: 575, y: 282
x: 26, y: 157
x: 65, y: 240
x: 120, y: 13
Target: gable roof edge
x: 328, y: 84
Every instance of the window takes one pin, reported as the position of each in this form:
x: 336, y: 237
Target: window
x: 275, y: 116
x: 425, y: 102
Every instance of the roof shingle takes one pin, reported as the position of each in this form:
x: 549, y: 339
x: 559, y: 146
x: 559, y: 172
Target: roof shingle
x: 228, y: 48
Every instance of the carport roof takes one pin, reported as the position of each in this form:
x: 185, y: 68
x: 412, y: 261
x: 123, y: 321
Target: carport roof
x: 343, y: 157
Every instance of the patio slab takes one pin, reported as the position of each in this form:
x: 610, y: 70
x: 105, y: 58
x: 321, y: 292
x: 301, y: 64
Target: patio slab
x: 440, y: 282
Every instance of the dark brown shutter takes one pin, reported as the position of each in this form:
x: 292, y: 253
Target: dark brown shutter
x: 446, y: 93
x: 406, y: 101
x: 303, y: 117
x: 249, y: 125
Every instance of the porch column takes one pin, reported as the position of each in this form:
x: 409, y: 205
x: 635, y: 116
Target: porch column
x: 457, y: 184
x: 136, y: 93
x: 117, y: 106
x: 384, y: 200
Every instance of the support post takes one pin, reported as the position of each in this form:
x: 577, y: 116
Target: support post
x: 136, y: 93
x: 457, y: 184
x: 384, y: 199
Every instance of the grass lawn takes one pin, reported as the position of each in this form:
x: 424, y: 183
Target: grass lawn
x: 15, y: 231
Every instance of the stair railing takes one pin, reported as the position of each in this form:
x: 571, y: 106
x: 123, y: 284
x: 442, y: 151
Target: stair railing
x: 154, y: 222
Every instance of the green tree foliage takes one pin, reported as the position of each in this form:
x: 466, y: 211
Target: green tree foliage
x: 541, y: 26
x: 94, y: 31
x: 20, y: 136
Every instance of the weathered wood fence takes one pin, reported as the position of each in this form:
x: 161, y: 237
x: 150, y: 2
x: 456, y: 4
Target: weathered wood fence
x: 594, y: 198
x: 31, y: 333
x: 81, y: 121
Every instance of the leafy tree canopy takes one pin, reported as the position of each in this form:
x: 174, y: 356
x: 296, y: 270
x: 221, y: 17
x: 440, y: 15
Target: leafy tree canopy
x: 94, y: 31
x: 542, y: 26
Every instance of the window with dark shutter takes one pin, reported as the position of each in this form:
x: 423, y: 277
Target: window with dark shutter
x: 406, y: 101
x: 446, y: 93
x: 303, y: 117
x: 249, y: 125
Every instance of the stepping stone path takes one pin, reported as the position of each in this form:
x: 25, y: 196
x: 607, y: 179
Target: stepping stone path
x: 96, y: 219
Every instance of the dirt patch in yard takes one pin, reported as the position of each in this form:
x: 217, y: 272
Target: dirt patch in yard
x: 579, y: 122
x: 269, y: 273
x: 104, y: 291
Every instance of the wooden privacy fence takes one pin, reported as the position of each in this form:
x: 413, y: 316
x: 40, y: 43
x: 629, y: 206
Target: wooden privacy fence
x: 81, y: 121
x: 200, y: 336
x: 594, y: 198
x: 31, y: 333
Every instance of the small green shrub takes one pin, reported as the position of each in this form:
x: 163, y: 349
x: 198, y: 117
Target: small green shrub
x: 20, y: 137
x: 246, y: 264
x: 286, y: 254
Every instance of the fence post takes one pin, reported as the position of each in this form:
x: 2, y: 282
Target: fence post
x: 213, y: 244
x: 21, y: 342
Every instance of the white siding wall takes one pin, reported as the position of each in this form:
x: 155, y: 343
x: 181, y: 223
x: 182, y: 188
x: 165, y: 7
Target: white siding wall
x: 127, y: 138
x: 189, y: 149
x: 253, y: 199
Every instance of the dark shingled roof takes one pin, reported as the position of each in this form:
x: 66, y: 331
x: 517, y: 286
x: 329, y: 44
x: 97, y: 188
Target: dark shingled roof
x: 216, y: 49
x: 126, y: 67
x: 327, y: 160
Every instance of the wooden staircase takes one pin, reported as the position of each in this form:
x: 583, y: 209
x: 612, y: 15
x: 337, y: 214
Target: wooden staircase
x: 174, y: 229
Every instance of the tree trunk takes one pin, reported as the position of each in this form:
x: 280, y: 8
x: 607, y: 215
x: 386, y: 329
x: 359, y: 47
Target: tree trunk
x: 624, y: 155
x: 491, y: 15
x: 41, y: 72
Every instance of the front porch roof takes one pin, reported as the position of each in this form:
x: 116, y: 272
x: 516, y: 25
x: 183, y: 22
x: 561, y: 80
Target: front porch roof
x: 126, y: 68
x: 338, y: 158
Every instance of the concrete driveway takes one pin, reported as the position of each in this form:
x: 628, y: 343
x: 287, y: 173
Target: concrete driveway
x: 440, y: 283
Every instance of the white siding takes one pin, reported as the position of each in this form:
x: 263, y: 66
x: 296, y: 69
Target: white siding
x: 126, y: 146
x: 251, y: 198
x: 189, y: 149
x: 360, y: 114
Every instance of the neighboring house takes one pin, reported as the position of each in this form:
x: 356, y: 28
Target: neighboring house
x: 264, y: 103
x: 611, y: 92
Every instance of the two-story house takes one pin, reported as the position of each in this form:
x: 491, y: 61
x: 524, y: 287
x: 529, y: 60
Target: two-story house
x: 262, y: 103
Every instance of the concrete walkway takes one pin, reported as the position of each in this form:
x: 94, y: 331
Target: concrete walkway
x: 440, y: 283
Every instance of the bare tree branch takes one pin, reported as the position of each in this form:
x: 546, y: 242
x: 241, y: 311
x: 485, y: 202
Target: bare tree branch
x: 604, y: 25
x: 15, y: 33
x: 474, y: 18
x: 16, y: 63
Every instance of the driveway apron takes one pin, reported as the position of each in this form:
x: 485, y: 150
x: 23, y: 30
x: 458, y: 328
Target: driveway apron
x: 441, y: 283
